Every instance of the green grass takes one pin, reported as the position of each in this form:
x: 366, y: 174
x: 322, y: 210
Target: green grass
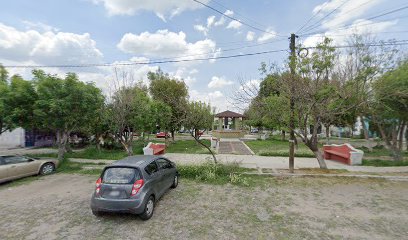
x: 384, y: 163
x: 217, y: 174
x: 275, y: 147
x: 91, y: 152
x: 380, y: 151
x: 188, y: 146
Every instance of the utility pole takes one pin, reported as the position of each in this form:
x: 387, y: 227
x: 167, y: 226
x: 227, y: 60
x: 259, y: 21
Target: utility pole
x: 292, y: 65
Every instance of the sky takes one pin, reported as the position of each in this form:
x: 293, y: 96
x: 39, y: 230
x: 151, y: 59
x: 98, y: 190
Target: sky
x: 83, y: 32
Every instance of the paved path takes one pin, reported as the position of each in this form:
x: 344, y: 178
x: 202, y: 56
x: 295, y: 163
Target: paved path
x: 256, y: 162
x: 234, y: 147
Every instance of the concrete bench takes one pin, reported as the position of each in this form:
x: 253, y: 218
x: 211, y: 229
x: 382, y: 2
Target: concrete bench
x: 344, y: 153
x: 154, y: 149
x: 162, y: 135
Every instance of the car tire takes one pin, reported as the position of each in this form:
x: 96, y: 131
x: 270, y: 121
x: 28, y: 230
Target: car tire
x: 148, y: 209
x: 96, y: 213
x: 47, y: 168
x: 175, y: 181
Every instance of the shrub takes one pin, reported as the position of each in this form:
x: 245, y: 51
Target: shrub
x: 214, y: 173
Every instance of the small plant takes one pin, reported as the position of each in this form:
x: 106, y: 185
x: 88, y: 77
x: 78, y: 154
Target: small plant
x: 214, y: 173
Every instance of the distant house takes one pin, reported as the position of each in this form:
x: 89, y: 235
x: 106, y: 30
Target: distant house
x: 19, y: 138
x: 228, y: 124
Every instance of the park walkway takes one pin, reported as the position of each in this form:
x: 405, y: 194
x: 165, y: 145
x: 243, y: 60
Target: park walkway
x: 234, y: 147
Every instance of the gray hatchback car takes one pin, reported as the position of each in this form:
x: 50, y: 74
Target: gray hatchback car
x: 133, y: 185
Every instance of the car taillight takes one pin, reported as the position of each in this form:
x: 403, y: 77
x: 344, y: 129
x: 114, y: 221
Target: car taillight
x: 136, y: 187
x: 98, y: 185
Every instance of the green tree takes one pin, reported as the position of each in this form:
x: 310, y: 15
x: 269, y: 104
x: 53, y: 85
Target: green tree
x: 172, y: 92
x: 127, y: 113
x: 390, y: 108
x: 64, y: 105
x: 20, y: 103
x: 4, y: 90
x: 199, y: 117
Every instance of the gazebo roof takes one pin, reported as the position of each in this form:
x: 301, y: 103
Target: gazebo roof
x: 229, y: 114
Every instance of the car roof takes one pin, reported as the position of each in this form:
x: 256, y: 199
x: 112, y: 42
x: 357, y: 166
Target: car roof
x: 135, y: 161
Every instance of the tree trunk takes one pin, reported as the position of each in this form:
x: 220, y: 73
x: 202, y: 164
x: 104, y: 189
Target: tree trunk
x: 62, y: 138
x: 390, y: 145
x: 128, y: 148
x: 68, y: 147
x: 366, y: 137
x: 208, y: 148
x: 318, y: 154
x: 283, y: 135
x: 172, y: 135
x: 328, y: 134
x: 401, y: 136
x: 97, y: 142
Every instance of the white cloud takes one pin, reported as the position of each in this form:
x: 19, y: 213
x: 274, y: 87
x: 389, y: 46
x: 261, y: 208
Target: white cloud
x: 220, y: 22
x: 210, y: 21
x: 219, y: 82
x: 250, y: 36
x: 162, y: 8
x: 39, y: 26
x: 234, y: 24
x: 340, y: 36
x: 215, y: 99
x: 346, y: 11
x: 201, y: 29
x: 164, y: 43
x: 47, y: 48
x: 182, y: 73
x: 229, y: 13
x: 251, y: 84
x: 268, y: 35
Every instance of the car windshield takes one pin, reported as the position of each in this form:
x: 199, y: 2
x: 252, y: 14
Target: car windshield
x: 120, y: 175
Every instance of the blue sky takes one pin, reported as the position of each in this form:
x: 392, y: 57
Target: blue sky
x: 49, y: 32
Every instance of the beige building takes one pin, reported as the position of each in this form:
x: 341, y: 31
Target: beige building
x: 228, y: 124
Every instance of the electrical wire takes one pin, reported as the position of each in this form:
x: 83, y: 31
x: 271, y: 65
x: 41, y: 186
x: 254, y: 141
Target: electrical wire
x: 236, y: 19
x: 237, y: 13
x: 315, y: 25
x: 370, y: 18
x: 143, y: 63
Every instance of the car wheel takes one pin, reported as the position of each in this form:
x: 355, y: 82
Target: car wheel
x: 149, y: 208
x: 96, y: 213
x: 175, y: 182
x: 47, y: 168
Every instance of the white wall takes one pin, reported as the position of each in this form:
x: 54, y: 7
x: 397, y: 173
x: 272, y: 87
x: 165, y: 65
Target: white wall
x: 13, y: 139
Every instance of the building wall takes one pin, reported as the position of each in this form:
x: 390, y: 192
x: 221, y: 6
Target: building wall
x: 13, y: 139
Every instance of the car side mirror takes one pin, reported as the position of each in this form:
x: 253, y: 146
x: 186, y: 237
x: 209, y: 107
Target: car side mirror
x: 30, y: 160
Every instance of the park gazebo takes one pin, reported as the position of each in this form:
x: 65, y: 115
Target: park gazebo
x: 228, y: 124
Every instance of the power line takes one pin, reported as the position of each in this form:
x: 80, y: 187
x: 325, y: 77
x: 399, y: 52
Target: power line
x: 143, y: 63
x: 315, y: 25
x: 398, y: 43
x: 310, y: 19
x: 351, y: 34
x: 235, y: 19
x: 351, y: 9
x: 352, y: 25
x: 370, y: 18
x: 237, y: 13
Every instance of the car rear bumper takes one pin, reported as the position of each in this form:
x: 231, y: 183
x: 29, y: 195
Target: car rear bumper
x: 135, y: 205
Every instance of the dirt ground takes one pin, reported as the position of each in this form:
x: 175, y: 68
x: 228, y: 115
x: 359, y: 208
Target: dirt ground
x: 57, y: 207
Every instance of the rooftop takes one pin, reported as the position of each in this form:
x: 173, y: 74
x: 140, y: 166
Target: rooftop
x: 230, y: 114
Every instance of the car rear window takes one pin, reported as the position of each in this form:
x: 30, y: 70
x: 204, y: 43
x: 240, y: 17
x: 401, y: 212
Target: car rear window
x: 120, y: 175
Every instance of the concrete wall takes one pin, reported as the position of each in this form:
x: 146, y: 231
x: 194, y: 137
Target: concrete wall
x: 13, y: 139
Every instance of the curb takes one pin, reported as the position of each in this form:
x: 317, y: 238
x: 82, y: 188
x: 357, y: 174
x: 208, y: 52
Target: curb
x: 364, y: 176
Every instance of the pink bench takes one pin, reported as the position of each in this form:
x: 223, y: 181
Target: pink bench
x: 344, y: 153
x: 154, y: 149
